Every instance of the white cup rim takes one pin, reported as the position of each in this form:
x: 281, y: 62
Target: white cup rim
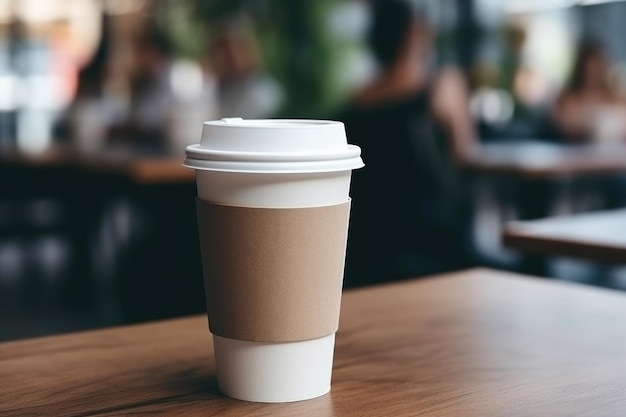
x: 273, y: 123
x: 276, y: 167
x: 196, y: 151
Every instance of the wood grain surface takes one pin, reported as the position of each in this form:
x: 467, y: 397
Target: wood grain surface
x: 598, y: 236
x: 475, y: 343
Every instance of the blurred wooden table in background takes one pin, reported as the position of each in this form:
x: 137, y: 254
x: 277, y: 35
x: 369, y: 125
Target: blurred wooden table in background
x: 474, y: 343
x: 127, y: 218
x: 533, y: 159
x: 598, y: 236
x: 139, y: 167
x: 527, y: 179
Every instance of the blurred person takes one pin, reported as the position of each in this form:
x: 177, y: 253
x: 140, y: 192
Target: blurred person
x: 244, y: 88
x: 529, y: 87
x: 93, y: 110
x: 409, y: 213
x: 151, y: 94
x: 589, y: 109
x: 510, y: 99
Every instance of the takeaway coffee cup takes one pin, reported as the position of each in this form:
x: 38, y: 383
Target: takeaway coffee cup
x: 273, y: 207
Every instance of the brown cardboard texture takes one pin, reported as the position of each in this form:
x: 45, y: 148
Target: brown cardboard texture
x: 273, y: 274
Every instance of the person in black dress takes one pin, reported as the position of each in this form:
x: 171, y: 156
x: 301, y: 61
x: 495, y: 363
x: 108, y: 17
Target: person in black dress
x: 409, y: 213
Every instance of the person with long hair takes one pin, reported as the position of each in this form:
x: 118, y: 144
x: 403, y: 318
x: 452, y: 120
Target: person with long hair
x: 589, y: 108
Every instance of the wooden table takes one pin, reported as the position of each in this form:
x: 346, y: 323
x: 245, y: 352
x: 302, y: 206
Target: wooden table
x: 541, y: 160
x: 474, y: 343
x: 531, y: 176
x: 599, y: 236
x: 138, y: 167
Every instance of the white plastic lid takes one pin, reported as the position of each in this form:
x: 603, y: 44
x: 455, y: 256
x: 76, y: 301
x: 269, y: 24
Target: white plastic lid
x: 273, y: 145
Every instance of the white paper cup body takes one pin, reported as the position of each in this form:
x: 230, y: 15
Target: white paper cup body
x: 273, y: 190
x: 274, y: 372
x: 261, y: 371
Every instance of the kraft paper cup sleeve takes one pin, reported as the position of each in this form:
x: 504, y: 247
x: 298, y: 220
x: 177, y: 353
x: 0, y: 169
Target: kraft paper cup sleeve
x: 273, y: 274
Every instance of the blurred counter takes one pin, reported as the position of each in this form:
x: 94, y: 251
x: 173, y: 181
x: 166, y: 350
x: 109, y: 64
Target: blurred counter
x: 138, y: 166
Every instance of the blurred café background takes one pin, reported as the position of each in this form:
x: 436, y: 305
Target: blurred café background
x: 98, y: 99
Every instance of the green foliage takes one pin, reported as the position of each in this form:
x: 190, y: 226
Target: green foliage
x: 186, y: 31
x: 296, y: 47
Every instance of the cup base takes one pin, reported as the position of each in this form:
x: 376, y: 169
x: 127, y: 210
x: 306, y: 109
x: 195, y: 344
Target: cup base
x: 274, y: 372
